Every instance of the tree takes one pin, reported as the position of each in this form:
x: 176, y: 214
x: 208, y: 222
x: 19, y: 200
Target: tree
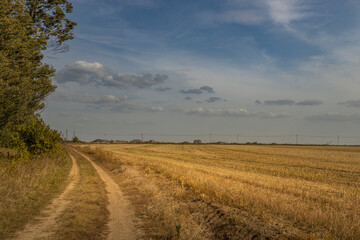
x: 25, y: 28
x: 76, y: 139
x: 24, y: 80
x: 36, y: 138
x: 49, y: 19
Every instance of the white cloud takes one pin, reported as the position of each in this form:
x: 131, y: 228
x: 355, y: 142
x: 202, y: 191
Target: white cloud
x: 286, y: 11
x: 81, y: 72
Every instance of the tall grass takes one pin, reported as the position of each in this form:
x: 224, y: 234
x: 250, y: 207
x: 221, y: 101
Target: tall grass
x: 26, y: 186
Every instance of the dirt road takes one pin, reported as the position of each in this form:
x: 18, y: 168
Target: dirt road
x: 121, y: 224
x: 42, y: 226
x: 122, y: 216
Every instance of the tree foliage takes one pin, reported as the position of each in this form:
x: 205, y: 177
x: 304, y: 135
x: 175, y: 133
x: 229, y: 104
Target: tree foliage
x: 25, y: 28
x: 36, y: 138
x: 75, y: 139
x: 49, y: 19
x: 24, y: 80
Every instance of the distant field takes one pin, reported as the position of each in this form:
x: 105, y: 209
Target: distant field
x: 304, y: 191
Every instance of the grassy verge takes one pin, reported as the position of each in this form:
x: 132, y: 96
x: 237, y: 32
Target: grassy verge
x: 26, y: 186
x: 86, y: 215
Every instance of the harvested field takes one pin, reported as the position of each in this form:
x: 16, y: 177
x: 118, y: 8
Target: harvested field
x: 237, y: 191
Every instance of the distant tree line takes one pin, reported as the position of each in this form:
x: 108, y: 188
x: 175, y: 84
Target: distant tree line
x: 26, y: 29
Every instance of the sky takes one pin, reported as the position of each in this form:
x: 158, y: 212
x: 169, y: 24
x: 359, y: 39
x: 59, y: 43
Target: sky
x: 231, y: 70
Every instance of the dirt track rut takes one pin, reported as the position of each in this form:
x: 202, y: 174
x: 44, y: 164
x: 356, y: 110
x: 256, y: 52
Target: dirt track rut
x: 42, y: 226
x: 122, y: 217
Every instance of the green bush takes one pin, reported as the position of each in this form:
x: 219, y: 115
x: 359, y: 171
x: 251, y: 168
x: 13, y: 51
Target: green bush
x: 76, y: 139
x: 36, y: 138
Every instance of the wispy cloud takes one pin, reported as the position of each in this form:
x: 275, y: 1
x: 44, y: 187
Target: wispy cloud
x: 285, y: 12
x: 283, y: 102
x: 155, y: 109
x: 238, y: 51
x: 256, y: 12
x: 110, y: 102
x: 86, y: 98
x: 240, y: 16
x: 355, y: 103
x: 191, y: 91
x: 162, y: 89
x: 188, y: 98
x: 241, y: 112
x: 335, y: 117
x: 106, y: 101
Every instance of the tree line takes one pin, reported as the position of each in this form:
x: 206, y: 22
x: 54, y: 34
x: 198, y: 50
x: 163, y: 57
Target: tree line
x: 26, y: 29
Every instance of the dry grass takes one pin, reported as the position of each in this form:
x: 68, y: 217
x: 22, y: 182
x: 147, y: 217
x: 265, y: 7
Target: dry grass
x: 163, y: 216
x: 26, y: 187
x: 86, y: 215
x: 313, y: 189
x: 6, y: 153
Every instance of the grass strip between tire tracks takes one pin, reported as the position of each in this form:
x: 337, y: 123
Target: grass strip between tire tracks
x: 86, y: 215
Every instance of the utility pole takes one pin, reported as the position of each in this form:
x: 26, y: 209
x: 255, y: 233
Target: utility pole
x: 66, y: 135
x: 338, y: 139
x: 297, y: 139
x: 142, y: 137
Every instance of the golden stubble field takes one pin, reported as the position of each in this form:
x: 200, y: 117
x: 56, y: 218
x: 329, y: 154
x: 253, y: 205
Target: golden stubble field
x: 302, y: 191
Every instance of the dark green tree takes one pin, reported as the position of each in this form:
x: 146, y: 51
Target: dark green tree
x: 49, y: 19
x: 25, y: 28
x: 76, y: 139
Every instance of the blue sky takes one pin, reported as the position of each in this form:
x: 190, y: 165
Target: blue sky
x: 247, y: 67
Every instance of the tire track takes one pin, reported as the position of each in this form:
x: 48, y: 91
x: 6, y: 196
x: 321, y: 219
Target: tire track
x: 122, y: 216
x: 42, y: 226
